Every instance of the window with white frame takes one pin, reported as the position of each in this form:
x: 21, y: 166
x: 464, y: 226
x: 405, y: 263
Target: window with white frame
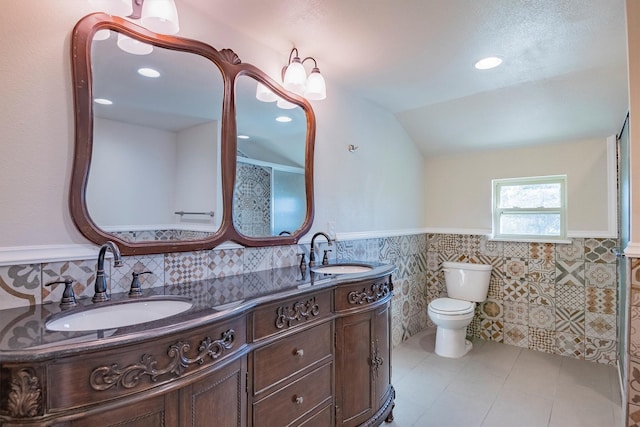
x: 530, y: 208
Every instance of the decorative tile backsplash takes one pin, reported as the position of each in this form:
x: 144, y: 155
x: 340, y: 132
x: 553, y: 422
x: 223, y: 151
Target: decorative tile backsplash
x: 163, y: 234
x: 555, y: 298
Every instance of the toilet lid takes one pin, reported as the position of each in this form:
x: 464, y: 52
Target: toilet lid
x: 450, y: 305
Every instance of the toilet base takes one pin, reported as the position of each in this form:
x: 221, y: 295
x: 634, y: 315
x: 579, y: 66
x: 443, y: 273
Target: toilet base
x: 452, y: 343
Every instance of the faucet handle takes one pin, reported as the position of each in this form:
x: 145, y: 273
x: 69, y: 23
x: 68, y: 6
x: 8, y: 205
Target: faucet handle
x: 325, y: 258
x: 136, y: 287
x: 68, y: 299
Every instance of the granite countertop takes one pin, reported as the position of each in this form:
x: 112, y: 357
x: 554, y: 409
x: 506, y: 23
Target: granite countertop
x: 24, y: 336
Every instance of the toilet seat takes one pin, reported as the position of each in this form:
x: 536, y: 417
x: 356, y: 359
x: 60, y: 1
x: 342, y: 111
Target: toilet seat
x: 450, y: 306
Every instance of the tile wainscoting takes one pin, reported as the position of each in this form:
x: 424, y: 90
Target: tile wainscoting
x: 633, y: 348
x: 555, y: 298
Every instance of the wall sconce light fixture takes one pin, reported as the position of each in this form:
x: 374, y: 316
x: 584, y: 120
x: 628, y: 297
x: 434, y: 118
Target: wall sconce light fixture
x: 159, y: 16
x: 294, y: 79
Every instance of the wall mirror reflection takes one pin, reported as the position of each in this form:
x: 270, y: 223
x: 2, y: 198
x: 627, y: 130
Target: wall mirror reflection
x: 162, y: 128
x: 269, y: 194
x: 155, y: 172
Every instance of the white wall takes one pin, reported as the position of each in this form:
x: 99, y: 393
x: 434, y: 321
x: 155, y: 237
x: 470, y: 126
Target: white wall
x: 197, y: 169
x: 458, y: 186
x: 132, y: 180
x: 375, y: 188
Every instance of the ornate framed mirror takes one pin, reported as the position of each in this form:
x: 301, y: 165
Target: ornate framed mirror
x: 173, y: 152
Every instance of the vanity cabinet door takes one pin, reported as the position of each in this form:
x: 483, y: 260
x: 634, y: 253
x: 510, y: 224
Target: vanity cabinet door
x: 354, y: 403
x: 154, y: 411
x: 381, y: 357
x: 218, y: 399
x: 363, y: 367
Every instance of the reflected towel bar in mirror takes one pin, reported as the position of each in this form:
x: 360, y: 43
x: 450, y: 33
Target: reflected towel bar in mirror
x: 181, y: 213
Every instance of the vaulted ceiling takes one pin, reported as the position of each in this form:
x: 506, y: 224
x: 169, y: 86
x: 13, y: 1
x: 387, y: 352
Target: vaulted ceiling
x: 564, y: 75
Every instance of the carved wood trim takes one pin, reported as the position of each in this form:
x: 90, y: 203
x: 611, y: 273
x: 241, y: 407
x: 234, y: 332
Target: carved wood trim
x: 25, y: 397
x: 375, y: 292
x: 385, y: 409
x: 299, y: 311
x: 376, y: 360
x: 107, y: 377
x: 230, y: 56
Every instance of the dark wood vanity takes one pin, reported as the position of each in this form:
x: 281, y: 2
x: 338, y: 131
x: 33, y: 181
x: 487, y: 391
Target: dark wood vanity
x: 314, y: 351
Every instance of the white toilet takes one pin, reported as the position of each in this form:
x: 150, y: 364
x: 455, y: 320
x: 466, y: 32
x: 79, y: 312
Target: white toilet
x: 466, y: 285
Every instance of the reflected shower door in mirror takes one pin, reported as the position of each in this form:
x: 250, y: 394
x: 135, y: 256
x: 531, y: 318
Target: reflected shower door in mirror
x: 155, y: 172
x: 270, y: 195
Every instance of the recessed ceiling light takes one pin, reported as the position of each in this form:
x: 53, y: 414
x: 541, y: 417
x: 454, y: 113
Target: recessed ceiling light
x: 488, y: 63
x: 149, y: 72
x: 283, y: 119
x: 243, y: 136
x: 103, y: 101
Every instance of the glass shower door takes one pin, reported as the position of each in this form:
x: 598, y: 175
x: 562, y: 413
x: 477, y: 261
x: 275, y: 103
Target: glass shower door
x: 624, y: 217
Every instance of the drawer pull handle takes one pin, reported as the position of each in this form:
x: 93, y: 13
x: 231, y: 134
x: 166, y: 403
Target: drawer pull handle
x: 299, y: 352
x: 299, y: 400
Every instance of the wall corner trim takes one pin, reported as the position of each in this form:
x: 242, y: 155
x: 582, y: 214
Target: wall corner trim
x: 632, y: 250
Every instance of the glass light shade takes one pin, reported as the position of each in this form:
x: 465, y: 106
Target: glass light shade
x: 133, y: 46
x: 160, y: 16
x: 113, y: 7
x: 295, y: 77
x: 285, y: 105
x: 316, y: 87
x: 102, y: 35
x: 265, y: 94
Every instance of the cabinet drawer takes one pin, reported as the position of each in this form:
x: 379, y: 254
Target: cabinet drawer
x: 363, y: 293
x: 289, y: 313
x: 279, y: 361
x: 291, y: 403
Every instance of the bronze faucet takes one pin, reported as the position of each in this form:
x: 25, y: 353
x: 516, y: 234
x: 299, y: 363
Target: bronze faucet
x: 101, y: 281
x: 312, y: 255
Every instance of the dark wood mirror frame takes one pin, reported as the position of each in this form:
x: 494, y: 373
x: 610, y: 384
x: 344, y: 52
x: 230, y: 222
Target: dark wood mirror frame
x: 231, y: 68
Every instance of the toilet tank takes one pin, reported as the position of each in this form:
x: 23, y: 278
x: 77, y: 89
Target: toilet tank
x: 465, y: 281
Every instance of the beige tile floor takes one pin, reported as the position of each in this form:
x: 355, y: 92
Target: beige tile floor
x: 497, y: 385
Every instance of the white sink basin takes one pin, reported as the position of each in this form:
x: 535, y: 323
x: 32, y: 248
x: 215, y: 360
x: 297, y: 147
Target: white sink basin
x: 116, y: 315
x: 341, y: 268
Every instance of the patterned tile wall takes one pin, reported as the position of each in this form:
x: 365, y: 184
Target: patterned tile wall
x: 252, y: 200
x: 633, y: 370
x: 556, y: 298
x: 165, y: 234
